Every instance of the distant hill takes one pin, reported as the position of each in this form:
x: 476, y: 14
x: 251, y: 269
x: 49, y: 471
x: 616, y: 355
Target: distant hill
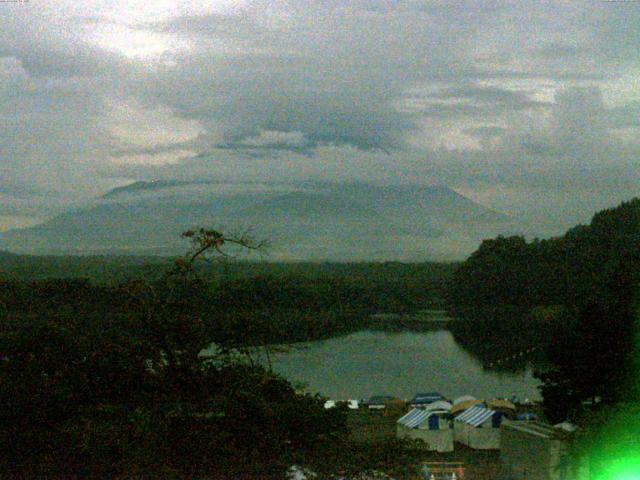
x: 309, y: 221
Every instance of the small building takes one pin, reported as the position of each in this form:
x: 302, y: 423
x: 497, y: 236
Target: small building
x: 350, y: 404
x: 431, y: 427
x: 478, y: 428
x: 533, y: 451
x: 379, y: 402
x: 424, y: 399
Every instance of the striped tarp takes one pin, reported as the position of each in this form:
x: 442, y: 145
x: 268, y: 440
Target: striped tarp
x: 475, y: 416
x: 414, y: 418
x: 439, y: 405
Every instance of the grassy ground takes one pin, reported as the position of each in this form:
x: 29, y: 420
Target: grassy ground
x: 371, y: 426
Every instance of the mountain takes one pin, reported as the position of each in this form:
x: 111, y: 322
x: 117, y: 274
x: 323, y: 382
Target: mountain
x: 142, y: 186
x: 310, y: 221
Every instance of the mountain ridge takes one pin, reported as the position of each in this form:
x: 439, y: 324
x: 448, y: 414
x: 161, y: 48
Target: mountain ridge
x: 306, y: 221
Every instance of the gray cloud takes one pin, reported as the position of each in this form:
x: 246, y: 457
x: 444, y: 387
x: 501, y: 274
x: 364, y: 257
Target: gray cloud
x: 508, y: 102
x: 627, y: 115
x: 487, y: 95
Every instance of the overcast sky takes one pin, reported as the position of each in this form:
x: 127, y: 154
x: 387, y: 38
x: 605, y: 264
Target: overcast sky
x: 529, y: 107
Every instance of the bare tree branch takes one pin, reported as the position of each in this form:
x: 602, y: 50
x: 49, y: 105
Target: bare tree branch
x: 204, y: 241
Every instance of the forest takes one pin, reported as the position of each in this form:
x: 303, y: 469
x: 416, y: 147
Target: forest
x: 575, y: 297
x: 102, y: 374
x: 258, y: 302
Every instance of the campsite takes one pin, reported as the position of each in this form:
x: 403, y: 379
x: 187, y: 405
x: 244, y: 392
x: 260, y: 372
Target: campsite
x: 479, y: 440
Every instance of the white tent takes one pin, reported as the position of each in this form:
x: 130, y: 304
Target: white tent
x: 430, y: 426
x: 463, y: 398
x: 479, y: 428
x: 440, y: 405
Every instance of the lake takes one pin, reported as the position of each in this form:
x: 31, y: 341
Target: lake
x: 370, y: 362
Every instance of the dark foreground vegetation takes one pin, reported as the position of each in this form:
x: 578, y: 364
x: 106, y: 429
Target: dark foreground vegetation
x: 102, y: 374
x: 581, y: 290
x: 577, y: 297
x: 249, y: 303
x: 105, y: 379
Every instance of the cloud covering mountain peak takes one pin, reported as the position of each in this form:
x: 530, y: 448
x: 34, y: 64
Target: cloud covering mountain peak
x: 507, y: 102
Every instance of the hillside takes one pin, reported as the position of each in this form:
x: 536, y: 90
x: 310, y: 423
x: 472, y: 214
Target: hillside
x: 573, y: 300
x: 573, y: 269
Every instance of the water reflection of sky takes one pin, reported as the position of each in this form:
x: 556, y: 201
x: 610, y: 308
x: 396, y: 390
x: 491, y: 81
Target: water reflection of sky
x: 401, y: 364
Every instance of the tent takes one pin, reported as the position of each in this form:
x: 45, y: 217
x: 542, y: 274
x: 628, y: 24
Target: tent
x: 440, y: 406
x: 462, y: 406
x: 479, y: 428
x: 504, y: 405
x: 424, y: 399
x: 432, y: 427
x: 464, y: 398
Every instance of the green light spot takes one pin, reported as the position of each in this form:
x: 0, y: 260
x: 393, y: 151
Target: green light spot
x: 624, y: 466
x: 621, y: 469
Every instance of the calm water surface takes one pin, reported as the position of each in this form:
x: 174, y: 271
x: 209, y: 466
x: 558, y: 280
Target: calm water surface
x: 399, y: 363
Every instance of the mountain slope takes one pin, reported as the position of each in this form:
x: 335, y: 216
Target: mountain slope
x: 314, y: 221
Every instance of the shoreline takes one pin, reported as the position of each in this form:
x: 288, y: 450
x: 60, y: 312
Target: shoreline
x: 421, y: 318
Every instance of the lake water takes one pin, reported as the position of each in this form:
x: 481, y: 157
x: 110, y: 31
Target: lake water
x: 368, y: 362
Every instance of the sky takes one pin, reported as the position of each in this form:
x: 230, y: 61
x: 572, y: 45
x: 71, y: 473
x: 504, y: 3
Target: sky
x: 528, y: 107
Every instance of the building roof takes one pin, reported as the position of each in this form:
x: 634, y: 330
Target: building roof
x: 536, y: 429
x: 415, y: 417
x: 442, y: 405
x: 462, y: 406
x: 464, y: 398
x: 566, y: 426
x: 426, y: 398
x: 475, y: 416
x: 380, y: 399
x: 498, y: 404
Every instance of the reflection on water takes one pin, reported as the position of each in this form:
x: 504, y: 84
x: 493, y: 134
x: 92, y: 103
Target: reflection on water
x: 396, y: 363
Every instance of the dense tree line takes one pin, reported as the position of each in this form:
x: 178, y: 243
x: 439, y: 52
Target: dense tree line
x: 571, y: 270
x: 115, y: 269
x: 267, y: 302
x: 587, y: 282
